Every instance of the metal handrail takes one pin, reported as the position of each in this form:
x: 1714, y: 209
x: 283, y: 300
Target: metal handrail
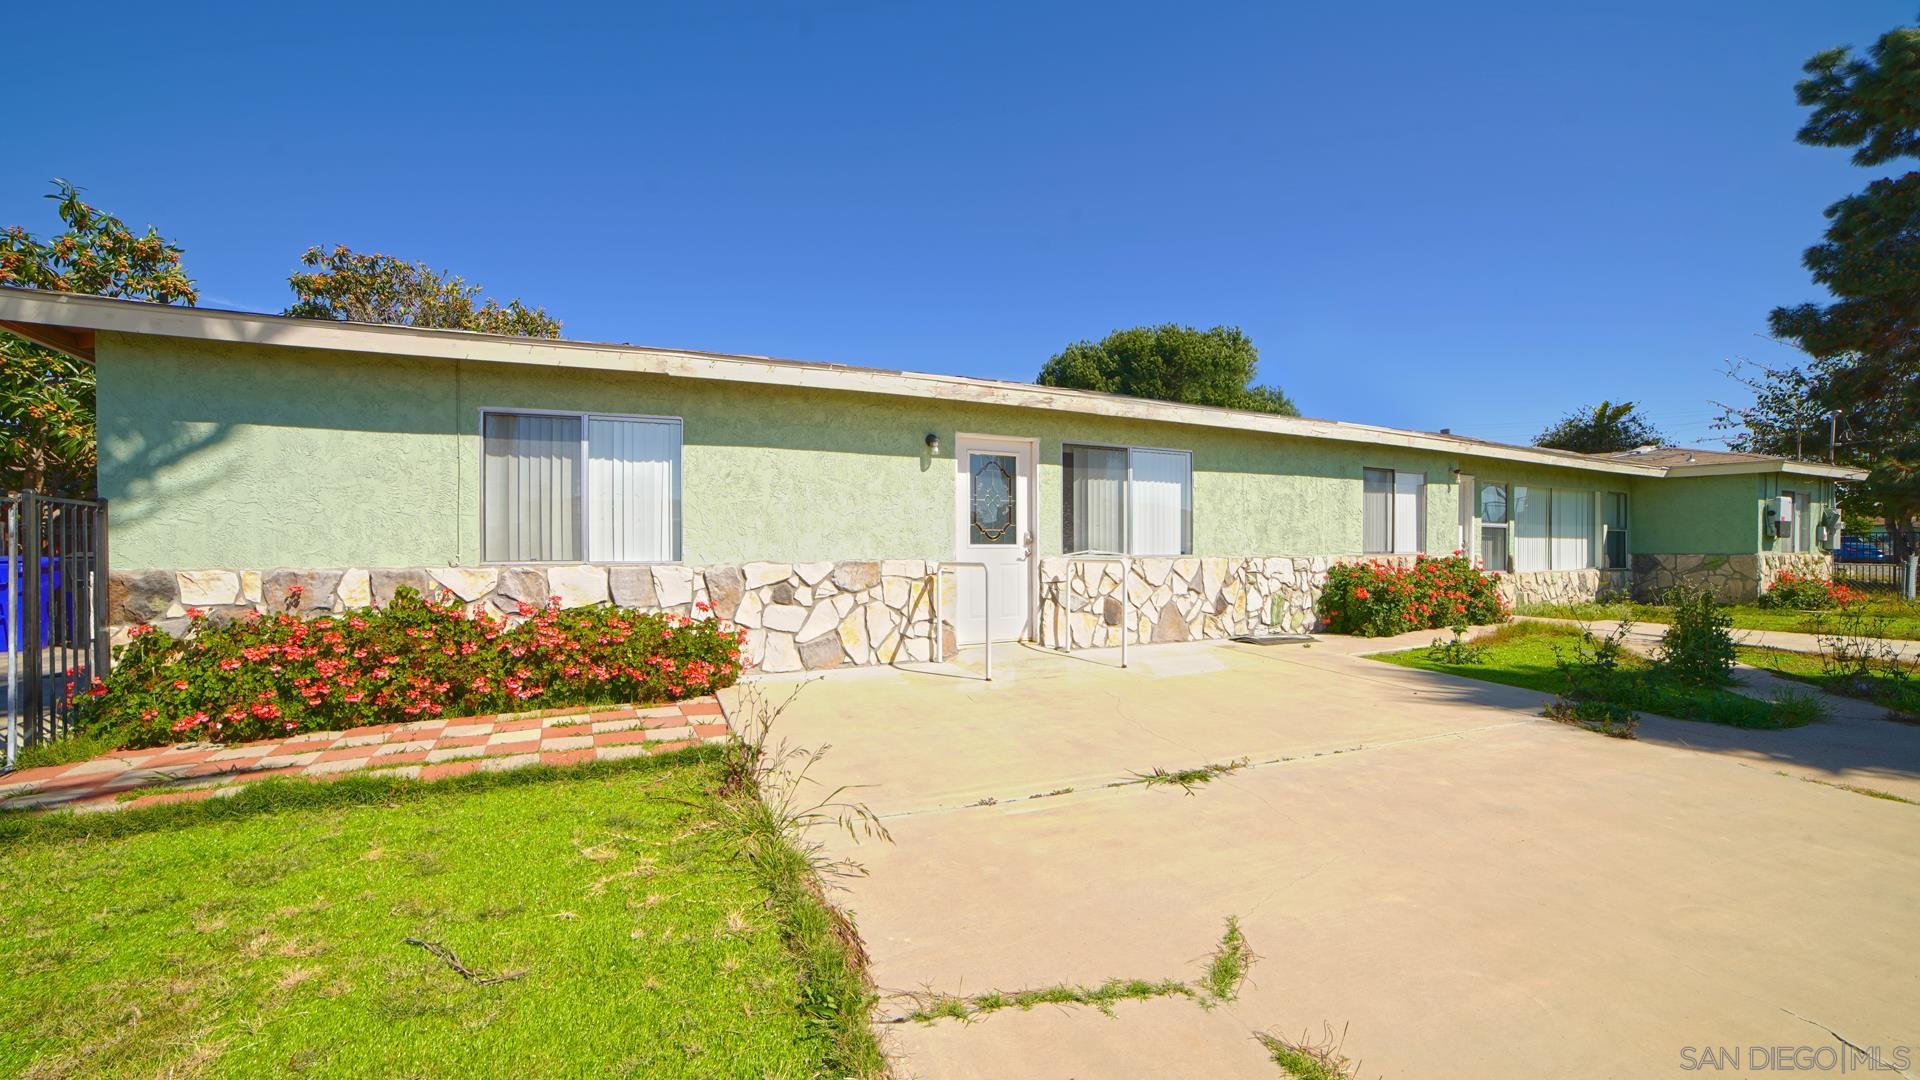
x: 986, y: 610
x: 1126, y: 602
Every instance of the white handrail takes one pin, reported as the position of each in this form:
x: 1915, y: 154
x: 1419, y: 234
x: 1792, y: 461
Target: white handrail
x: 986, y: 610
x: 1126, y: 603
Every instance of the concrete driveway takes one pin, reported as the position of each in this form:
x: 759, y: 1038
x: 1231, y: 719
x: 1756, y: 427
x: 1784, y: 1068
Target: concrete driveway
x: 1427, y: 870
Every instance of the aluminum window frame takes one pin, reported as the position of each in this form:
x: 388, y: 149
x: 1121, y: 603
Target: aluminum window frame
x: 1393, y: 493
x: 580, y: 492
x: 1126, y: 500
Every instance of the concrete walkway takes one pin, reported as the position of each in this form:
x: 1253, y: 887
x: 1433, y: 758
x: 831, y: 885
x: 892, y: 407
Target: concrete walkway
x: 1421, y: 862
x: 1646, y: 635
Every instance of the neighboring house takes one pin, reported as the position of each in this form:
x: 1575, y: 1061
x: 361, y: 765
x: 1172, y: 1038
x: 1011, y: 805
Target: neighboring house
x: 812, y: 503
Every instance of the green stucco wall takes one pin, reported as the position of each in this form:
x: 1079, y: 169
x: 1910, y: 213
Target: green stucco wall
x: 253, y: 456
x: 1715, y: 515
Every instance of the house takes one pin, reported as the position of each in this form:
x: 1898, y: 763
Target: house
x: 246, y: 455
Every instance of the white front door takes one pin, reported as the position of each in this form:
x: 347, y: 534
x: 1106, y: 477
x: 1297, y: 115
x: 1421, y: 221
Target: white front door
x: 994, y: 525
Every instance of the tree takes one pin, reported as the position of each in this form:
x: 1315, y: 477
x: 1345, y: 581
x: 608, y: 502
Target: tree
x: 1863, y: 349
x: 1606, y: 428
x: 354, y: 287
x: 47, y: 397
x: 1170, y: 363
x: 1792, y: 415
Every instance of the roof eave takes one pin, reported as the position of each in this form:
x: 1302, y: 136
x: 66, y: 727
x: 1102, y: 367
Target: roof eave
x: 71, y: 311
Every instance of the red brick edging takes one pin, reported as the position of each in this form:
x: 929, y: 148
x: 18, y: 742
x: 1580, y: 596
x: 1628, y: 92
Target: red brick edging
x: 426, y: 750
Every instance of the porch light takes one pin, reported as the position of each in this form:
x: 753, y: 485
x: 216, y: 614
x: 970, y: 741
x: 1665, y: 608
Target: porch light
x: 933, y: 443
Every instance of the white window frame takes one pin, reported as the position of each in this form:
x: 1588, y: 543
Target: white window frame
x: 1606, y: 531
x: 1126, y: 498
x: 1504, y: 525
x: 580, y: 491
x: 1393, y: 494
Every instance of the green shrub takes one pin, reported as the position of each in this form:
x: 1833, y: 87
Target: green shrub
x: 1793, y: 708
x: 1609, y: 719
x: 1380, y: 599
x: 1698, y: 645
x: 415, y: 659
x: 1457, y: 650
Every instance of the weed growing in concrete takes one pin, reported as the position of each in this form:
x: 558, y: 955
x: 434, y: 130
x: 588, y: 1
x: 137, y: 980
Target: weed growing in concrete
x: 1304, y: 1060
x: 1228, y: 968
x: 1188, y: 779
x: 1226, y: 971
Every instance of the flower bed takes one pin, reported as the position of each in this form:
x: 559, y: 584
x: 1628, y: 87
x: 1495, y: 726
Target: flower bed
x: 1379, y: 599
x: 1804, y: 592
x: 415, y: 659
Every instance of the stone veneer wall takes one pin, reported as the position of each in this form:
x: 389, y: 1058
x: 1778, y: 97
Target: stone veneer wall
x: 1730, y: 578
x: 1182, y: 599
x: 817, y: 615
x: 798, y: 616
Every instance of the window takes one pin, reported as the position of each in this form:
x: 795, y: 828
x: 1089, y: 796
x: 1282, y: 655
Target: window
x: 1495, y: 527
x: 1127, y: 499
x: 1802, y: 521
x: 1615, y: 523
x: 1392, y: 511
x: 1553, y: 529
x: 571, y: 487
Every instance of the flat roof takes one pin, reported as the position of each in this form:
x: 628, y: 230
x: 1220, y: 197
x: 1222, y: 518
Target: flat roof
x: 68, y: 322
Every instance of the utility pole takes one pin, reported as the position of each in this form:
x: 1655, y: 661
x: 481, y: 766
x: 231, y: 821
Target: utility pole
x: 1833, y: 436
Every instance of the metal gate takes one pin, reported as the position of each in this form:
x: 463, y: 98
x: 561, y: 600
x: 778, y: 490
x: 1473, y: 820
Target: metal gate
x: 54, y: 610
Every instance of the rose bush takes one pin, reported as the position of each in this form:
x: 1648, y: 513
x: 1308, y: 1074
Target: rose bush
x: 1803, y: 592
x: 415, y: 659
x: 1378, y: 599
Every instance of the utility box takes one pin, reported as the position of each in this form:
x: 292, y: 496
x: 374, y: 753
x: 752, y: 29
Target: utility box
x: 1780, y: 521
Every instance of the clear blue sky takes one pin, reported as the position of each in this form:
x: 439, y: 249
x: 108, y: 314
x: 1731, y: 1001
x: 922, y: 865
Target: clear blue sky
x: 1466, y: 215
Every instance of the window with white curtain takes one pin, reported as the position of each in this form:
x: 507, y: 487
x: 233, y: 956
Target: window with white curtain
x: 1572, y: 529
x: 1392, y: 511
x: 1127, y: 499
x: 1531, y: 511
x: 1553, y: 528
x: 567, y: 487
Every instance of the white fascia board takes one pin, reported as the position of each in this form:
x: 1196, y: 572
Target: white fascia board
x: 208, y: 324
x: 1791, y: 468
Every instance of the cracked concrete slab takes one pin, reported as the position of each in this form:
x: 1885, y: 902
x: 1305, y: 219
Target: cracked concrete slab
x: 1465, y: 888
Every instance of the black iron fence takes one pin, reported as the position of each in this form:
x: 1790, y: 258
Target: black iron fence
x: 54, y: 611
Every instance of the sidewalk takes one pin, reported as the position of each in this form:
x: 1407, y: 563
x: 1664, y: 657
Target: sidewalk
x: 1648, y: 634
x: 426, y: 750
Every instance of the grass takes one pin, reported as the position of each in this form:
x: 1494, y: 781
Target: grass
x: 64, y: 751
x: 1899, y: 695
x: 1306, y: 1061
x: 1902, y: 618
x: 1220, y: 982
x: 1871, y: 793
x: 1522, y: 654
x: 1187, y: 779
x: 635, y: 925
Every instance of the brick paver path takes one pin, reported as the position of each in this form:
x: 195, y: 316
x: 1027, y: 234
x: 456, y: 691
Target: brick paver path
x: 427, y: 749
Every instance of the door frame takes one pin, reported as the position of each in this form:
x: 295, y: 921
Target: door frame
x: 1031, y: 447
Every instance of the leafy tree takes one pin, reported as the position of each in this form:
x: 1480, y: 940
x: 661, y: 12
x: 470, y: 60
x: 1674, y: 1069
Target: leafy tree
x: 355, y: 287
x: 1863, y: 349
x: 1604, y: 429
x: 47, y: 397
x: 1170, y: 363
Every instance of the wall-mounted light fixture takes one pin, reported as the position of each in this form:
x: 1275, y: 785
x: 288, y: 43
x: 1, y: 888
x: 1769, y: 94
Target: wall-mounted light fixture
x: 933, y: 443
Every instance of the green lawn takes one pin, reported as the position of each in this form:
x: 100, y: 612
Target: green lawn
x: 649, y: 933
x: 1522, y: 654
x: 1899, y: 695
x: 1902, y: 619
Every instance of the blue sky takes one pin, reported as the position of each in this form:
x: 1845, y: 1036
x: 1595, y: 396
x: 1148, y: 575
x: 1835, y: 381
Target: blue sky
x: 1467, y: 215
